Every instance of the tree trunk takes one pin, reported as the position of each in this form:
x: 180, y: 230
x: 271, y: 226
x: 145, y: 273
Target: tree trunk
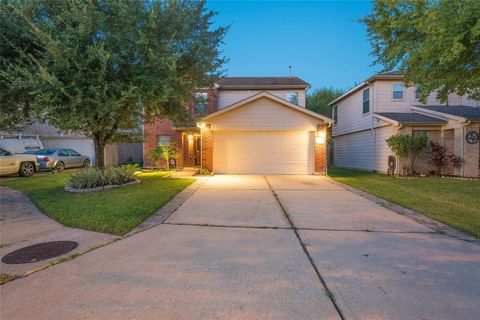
x: 99, y: 146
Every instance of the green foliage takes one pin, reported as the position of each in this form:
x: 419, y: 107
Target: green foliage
x: 440, y: 159
x: 163, y: 152
x: 115, y: 211
x: 436, y: 43
x: 204, y: 172
x: 319, y: 99
x: 407, y: 148
x: 102, y: 67
x: 94, y: 177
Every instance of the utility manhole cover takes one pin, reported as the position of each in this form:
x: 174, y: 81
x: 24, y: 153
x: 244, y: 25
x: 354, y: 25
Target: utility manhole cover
x: 39, y: 252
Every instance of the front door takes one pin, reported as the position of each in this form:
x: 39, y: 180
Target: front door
x: 198, y: 150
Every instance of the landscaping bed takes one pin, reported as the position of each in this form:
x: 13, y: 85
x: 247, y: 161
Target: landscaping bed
x: 115, y: 211
x: 453, y: 202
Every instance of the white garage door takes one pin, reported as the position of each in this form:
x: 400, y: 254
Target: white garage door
x: 263, y: 153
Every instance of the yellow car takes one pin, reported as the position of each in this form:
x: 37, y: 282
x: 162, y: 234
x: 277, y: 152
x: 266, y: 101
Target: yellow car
x: 23, y: 164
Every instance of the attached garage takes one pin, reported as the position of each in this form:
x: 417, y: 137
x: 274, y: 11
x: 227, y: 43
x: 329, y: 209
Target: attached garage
x: 263, y: 152
x: 264, y: 134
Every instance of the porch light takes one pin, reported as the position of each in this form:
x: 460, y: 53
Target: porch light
x: 201, y: 125
x: 320, y: 137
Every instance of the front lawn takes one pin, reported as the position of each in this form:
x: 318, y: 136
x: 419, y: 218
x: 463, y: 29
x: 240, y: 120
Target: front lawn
x: 453, y: 202
x: 115, y: 211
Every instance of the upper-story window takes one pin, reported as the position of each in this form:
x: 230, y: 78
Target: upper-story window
x: 201, y: 104
x: 418, y: 94
x: 366, y: 100
x: 292, y: 97
x: 397, y: 91
x: 335, y: 114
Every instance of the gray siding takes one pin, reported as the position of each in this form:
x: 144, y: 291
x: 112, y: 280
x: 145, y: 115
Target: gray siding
x: 382, y: 151
x: 354, y: 151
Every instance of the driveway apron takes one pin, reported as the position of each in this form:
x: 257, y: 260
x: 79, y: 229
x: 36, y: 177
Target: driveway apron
x: 263, y: 247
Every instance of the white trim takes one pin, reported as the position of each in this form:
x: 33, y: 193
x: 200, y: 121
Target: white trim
x: 356, y: 88
x: 270, y: 96
x: 386, y: 119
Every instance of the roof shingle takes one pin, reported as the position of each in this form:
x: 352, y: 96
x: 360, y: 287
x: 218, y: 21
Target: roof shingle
x: 470, y: 113
x: 411, y: 118
x: 262, y: 82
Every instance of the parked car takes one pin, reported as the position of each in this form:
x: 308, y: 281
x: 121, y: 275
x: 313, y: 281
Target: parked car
x: 59, y: 159
x: 23, y: 164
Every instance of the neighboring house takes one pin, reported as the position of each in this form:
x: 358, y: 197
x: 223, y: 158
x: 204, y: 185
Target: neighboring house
x: 115, y: 154
x: 381, y: 106
x: 256, y: 125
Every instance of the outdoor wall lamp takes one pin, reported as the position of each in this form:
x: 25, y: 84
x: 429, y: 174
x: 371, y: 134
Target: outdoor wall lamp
x: 201, y: 125
x: 321, y: 137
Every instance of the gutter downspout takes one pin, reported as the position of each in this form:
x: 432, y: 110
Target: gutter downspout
x: 464, y: 125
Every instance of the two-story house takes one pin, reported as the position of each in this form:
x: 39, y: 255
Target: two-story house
x: 382, y: 106
x: 247, y: 125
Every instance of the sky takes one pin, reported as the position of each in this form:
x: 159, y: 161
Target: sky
x: 322, y: 40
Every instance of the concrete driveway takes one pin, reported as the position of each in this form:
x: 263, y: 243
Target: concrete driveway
x: 255, y: 247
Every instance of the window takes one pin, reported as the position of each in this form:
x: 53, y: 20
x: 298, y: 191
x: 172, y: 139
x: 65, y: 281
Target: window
x: 201, y: 104
x: 398, y: 91
x: 73, y: 153
x: 163, y: 140
x: 366, y: 101
x: 335, y: 114
x: 292, y: 97
x: 4, y: 152
x: 418, y: 95
x: 63, y: 153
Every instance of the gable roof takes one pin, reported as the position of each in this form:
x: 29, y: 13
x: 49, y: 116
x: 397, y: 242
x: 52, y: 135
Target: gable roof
x: 392, y: 75
x: 407, y: 118
x: 270, y: 96
x: 469, y: 113
x: 262, y: 83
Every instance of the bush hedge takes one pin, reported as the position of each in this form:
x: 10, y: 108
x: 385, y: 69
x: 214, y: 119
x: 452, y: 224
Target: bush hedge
x: 93, y: 177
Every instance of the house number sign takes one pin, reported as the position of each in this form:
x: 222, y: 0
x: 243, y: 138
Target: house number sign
x: 472, y: 137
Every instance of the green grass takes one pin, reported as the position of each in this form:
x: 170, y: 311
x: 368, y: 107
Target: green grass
x: 115, y: 211
x: 452, y: 202
x: 4, y: 278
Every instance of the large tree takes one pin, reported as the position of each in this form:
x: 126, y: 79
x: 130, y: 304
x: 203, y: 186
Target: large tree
x: 101, y: 67
x: 436, y: 43
x: 319, y: 99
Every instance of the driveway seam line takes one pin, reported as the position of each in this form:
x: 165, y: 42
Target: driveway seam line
x: 305, y: 250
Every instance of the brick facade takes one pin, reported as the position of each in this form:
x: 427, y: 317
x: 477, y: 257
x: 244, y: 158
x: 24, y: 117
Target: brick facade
x: 151, y: 131
x: 212, y: 100
x: 320, y: 157
x: 180, y: 137
x: 207, y: 149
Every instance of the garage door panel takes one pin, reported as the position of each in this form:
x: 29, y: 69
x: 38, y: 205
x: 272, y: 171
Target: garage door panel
x: 271, y: 152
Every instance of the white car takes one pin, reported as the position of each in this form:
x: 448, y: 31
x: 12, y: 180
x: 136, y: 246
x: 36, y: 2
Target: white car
x: 23, y: 164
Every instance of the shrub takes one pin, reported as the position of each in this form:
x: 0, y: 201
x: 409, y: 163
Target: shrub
x: 94, y: 177
x: 407, y: 148
x: 438, y: 156
x: 165, y: 152
x: 457, y: 161
x: 203, y: 171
